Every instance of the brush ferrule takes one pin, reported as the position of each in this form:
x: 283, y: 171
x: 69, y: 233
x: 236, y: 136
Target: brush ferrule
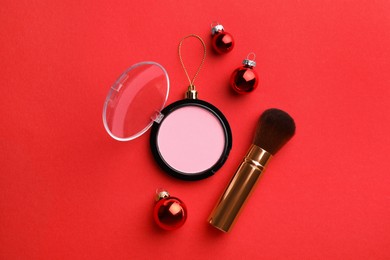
x: 239, y: 189
x: 257, y: 156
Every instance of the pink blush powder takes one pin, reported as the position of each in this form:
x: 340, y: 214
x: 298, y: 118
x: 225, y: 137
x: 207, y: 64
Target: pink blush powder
x: 191, y: 139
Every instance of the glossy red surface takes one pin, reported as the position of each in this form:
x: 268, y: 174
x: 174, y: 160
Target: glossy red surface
x: 222, y: 42
x: 170, y: 213
x: 69, y: 191
x: 244, y: 80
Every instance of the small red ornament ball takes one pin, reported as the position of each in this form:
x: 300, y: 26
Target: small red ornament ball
x: 245, y: 79
x: 170, y: 213
x: 222, y: 42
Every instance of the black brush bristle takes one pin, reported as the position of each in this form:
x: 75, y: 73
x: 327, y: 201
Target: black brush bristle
x: 274, y: 129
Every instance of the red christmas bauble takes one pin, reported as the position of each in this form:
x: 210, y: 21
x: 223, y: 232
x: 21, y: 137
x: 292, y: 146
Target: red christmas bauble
x: 222, y: 42
x: 170, y: 213
x: 244, y: 79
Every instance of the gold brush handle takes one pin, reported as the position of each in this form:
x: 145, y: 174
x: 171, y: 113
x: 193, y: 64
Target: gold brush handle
x: 239, y: 189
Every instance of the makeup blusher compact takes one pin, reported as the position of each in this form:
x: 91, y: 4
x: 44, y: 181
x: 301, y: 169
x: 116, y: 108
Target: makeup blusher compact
x: 190, y: 139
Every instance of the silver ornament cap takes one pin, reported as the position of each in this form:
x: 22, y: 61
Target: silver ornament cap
x: 250, y: 60
x: 217, y: 28
x: 161, y: 194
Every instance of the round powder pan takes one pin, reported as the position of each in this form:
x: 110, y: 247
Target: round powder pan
x: 190, y: 139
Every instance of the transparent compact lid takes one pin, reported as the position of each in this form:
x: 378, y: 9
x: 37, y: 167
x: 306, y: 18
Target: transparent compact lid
x: 135, y: 100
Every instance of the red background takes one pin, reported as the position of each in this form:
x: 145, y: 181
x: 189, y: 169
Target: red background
x: 69, y: 191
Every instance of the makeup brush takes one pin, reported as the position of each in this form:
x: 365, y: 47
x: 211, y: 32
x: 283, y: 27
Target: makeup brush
x: 274, y: 129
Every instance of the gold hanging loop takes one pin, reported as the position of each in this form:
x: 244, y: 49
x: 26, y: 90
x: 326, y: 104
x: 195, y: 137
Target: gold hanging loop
x: 191, y: 81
